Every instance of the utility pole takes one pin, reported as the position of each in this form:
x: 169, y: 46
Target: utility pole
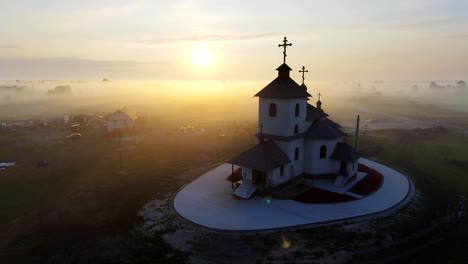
x: 357, y: 133
x: 120, y: 153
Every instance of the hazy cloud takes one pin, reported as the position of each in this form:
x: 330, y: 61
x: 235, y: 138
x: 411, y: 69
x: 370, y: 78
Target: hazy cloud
x: 416, y: 4
x: 213, y: 37
x: 416, y: 25
x: 8, y: 46
x: 118, y: 11
x: 422, y: 24
x: 460, y: 35
x: 63, y: 68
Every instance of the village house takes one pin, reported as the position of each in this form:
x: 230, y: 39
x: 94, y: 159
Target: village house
x: 121, y: 120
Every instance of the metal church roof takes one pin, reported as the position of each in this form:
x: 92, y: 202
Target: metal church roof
x: 283, y: 87
x: 323, y: 128
x: 314, y: 113
x: 263, y: 157
x: 344, y: 152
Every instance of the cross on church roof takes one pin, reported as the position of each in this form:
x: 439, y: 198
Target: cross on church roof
x: 284, y: 45
x: 260, y: 135
x: 319, y: 94
x: 303, y: 72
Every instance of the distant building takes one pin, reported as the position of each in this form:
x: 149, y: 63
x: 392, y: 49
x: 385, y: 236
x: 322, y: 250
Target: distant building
x: 122, y: 120
x: 83, y: 119
x: 435, y: 86
x: 60, y: 90
x: 461, y: 84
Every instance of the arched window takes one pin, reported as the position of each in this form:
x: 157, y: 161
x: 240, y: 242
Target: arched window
x: 323, y: 152
x: 272, y: 110
x: 296, y: 154
x: 296, y: 129
x: 296, y: 111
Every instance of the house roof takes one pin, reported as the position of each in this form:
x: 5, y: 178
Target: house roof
x: 344, y: 152
x: 323, y: 128
x: 314, y: 113
x: 263, y: 157
x: 124, y: 110
x: 283, y: 87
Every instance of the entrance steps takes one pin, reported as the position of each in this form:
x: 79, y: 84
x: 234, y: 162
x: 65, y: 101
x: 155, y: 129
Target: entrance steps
x: 244, y: 191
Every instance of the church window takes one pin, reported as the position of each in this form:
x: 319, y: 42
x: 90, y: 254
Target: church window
x: 296, y: 154
x: 323, y: 152
x: 272, y: 110
x: 296, y: 111
x: 282, y: 171
x: 296, y: 129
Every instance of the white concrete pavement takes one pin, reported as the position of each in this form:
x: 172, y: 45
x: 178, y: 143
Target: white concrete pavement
x: 207, y: 201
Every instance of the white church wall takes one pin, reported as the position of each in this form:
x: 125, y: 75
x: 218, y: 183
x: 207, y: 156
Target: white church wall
x: 314, y: 164
x: 285, y: 120
x: 275, y: 178
x: 246, y: 174
x: 295, y: 167
x: 334, y: 166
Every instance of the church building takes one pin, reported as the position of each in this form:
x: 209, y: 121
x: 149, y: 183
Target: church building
x: 295, y: 139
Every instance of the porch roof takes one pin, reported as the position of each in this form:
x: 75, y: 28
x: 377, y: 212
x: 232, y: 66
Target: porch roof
x: 262, y: 157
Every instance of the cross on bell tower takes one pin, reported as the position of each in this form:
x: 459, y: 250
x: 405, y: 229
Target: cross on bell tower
x: 319, y: 103
x: 284, y: 45
x: 303, y: 72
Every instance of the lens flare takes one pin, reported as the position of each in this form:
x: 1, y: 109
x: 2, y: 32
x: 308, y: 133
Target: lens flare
x: 285, y: 243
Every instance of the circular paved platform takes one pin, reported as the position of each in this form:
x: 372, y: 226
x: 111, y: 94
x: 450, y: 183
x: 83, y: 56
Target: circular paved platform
x: 208, y: 202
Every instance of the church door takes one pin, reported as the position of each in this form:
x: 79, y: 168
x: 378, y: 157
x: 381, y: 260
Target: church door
x: 258, y: 177
x: 343, y: 168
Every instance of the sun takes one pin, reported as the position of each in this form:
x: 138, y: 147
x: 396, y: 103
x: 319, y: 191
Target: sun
x: 202, y: 56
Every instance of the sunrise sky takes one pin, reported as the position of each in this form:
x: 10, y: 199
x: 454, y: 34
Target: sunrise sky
x: 237, y: 40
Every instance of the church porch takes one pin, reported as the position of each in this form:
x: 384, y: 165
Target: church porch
x: 244, y: 185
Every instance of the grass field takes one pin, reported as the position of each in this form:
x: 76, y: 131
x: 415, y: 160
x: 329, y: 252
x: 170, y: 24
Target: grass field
x: 83, y: 196
x: 427, y: 156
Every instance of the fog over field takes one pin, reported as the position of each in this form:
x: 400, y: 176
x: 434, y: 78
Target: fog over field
x: 215, y: 99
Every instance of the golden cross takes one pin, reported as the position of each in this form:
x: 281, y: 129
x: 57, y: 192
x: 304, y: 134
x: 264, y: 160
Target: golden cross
x: 284, y: 45
x: 303, y: 72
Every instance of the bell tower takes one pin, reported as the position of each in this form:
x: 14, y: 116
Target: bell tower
x: 283, y: 103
